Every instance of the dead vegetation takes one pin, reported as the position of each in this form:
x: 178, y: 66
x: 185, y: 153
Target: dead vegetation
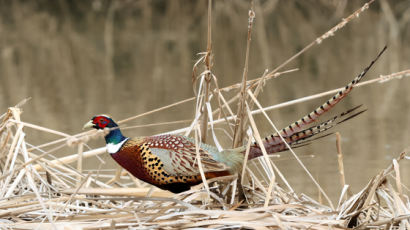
x: 40, y: 190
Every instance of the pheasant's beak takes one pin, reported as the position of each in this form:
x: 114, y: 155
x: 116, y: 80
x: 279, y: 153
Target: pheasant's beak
x: 88, y: 125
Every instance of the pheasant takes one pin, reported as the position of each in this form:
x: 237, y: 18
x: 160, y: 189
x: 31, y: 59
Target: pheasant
x: 170, y: 161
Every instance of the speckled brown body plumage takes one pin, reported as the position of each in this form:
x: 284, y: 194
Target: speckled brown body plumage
x: 137, y: 157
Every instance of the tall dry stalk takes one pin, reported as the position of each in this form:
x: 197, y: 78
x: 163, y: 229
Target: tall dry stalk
x: 341, y: 164
x: 208, y: 76
x: 241, y: 114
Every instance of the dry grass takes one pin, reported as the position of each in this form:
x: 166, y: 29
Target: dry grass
x: 41, y: 191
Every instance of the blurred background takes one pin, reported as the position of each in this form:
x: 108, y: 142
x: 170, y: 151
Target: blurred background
x: 81, y: 58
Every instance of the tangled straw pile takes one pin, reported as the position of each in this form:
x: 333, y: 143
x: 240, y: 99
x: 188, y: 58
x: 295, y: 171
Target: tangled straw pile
x: 41, y: 192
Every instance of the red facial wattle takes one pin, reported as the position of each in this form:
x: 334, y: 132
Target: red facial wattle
x: 101, y: 121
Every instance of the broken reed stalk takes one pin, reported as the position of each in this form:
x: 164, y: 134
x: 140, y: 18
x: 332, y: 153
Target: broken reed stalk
x: 80, y: 160
x: 256, y: 92
x: 198, y: 158
x: 340, y: 162
x: 224, y: 103
x: 240, y: 114
x: 118, y: 174
x: 208, y: 76
x: 398, y: 179
x: 248, y: 147
x: 258, y: 139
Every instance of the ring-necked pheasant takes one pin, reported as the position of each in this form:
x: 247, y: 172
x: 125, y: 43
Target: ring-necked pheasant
x: 169, y: 161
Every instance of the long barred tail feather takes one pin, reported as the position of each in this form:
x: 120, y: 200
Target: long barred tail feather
x: 329, y: 104
x: 352, y: 116
x: 305, y: 142
x: 322, y: 128
x: 313, y: 130
x: 304, y: 137
x: 316, y: 113
x: 296, y: 134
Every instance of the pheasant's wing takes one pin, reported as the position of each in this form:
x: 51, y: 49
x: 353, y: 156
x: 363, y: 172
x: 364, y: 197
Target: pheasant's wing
x: 178, y: 155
